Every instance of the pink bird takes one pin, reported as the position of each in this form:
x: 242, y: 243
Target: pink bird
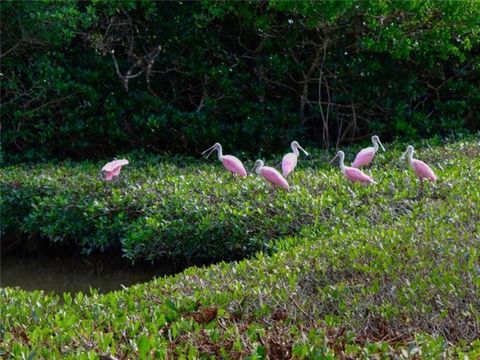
x: 422, y: 171
x: 351, y: 173
x: 230, y: 162
x: 289, y: 161
x: 270, y: 174
x: 365, y: 156
x: 112, y: 169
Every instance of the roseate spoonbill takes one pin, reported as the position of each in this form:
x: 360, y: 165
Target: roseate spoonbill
x: 422, y: 171
x: 112, y: 169
x: 270, y: 174
x: 289, y: 161
x: 230, y: 162
x: 365, y: 156
x: 351, y: 173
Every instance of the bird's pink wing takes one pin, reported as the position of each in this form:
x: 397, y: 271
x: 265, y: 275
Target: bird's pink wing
x: 364, y: 157
x: 234, y: 165
x: 354, y: 174
x: 112, y: 165
x: 108, y: 176
x: 116, y: 171
x: 422, y: 170
x: 289, y: 162
x: 273, y: 176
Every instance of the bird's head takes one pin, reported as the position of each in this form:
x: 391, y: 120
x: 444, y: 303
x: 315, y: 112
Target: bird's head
x: 340, y: 154
x: 376, y: 140
x: 211, y: 149
x: 408, y: 152
x: 258, y: 165
x: 295, y: 146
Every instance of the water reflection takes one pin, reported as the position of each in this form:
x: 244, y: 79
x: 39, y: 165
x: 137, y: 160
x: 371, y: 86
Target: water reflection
x: 76, y: 273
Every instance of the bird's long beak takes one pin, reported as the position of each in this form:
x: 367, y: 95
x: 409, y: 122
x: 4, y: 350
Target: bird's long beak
x: 403, y: 156
x: 306, y: 153
x: 381, y: 145
x: 253, y: 169
x: 209, y: 150
x: 331, y: 161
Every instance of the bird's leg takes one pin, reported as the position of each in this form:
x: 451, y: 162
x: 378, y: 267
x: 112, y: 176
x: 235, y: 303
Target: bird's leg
x: 434, y: 188
x: 420, y: 189
x: 351, y: 192
x: 273, y: 190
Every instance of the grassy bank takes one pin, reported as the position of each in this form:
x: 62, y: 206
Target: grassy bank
x: 168, y: 207
x: 380, y: 272
x: 157, y: 208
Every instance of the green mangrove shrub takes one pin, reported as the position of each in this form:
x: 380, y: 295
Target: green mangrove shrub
x: 197, y: 210
x: 91, y: 79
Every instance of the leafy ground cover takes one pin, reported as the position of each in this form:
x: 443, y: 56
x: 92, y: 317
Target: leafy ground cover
x: 177, y: 207
x: 372, y: 272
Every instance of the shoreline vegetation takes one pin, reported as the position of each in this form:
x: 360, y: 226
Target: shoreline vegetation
x: 185, y: 208
x: 377, y: 271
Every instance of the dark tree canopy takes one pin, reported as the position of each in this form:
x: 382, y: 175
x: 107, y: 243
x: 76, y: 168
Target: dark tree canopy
x: 86, y: 79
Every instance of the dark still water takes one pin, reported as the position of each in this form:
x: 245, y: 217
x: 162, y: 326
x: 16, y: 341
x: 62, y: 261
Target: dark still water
x: 76, y: 273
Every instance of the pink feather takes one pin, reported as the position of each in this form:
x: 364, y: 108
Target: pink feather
x: 289, y: 162
x: 423, y: 171
x: 364, y: 157
x: 234, y: 165
x: 112, y: 169
x: 274, y: 177
x: 112, y: 165
x: 357, y: 175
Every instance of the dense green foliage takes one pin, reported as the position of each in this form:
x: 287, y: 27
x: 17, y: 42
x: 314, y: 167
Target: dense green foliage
x: 174, y: 209
x: 331, y: 269
x: 380, y: 274
x: 84, y: 79
x: 156, y: 209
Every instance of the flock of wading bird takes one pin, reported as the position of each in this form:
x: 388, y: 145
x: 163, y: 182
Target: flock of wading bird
x: 111, y: 170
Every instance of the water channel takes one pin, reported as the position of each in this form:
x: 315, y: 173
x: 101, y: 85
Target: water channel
x: 73, y: 273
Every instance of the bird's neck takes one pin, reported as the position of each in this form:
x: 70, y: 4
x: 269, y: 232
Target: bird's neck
x: 410, y: 159
x: 295, y: 151
x: 375, y: 146
x: 258, y: 170
x: 220, y: 153
x: 342, y: 163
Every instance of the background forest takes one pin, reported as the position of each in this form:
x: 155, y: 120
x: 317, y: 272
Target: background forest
x: 91, y: 79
